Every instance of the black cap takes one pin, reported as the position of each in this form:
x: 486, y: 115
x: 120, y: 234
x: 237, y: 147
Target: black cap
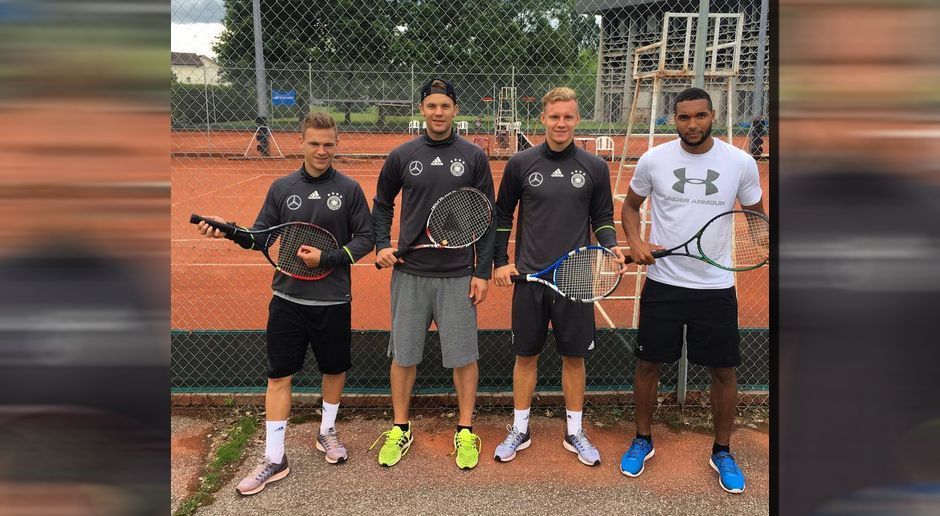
x: 448, y: 89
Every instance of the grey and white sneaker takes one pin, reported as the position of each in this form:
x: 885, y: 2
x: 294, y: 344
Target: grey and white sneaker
x: 580, y: 444
x: 513, y: 442
x: 330, y: 444
x: 262, y: 475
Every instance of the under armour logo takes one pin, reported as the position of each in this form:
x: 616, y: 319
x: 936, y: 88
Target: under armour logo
x: 709, y: 181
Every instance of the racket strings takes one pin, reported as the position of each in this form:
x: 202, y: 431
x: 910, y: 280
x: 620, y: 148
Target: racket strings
x: 588, y: 275
x: 751, y: 240
x: 460, y: 218
x: 715, y: 241
x: 737, y: 240
x: 285, y: 242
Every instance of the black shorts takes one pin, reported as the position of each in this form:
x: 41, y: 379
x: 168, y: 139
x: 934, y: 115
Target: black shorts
x: 711, y: 316
x: 534, y: 305
x: 291, y: 327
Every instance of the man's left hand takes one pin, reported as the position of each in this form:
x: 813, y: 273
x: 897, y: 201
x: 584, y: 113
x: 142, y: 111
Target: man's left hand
x: 310, y: 255
x: 620, y: 259
x: 478, y: 290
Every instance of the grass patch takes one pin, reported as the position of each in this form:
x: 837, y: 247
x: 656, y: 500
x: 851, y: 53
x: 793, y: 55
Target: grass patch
x: 227, y: 457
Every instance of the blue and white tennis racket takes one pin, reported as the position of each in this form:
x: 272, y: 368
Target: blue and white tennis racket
x: 584, y: 275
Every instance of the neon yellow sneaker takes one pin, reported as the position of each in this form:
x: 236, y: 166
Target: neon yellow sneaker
x: 397, y: 444
x: 467, y: 446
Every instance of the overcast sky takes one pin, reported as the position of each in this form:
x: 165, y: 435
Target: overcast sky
x: 195, y: 24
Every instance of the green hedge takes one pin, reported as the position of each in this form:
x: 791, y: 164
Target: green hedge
x: 225, y: 104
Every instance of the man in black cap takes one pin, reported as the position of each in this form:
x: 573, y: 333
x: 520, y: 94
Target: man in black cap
x: 443, y: 285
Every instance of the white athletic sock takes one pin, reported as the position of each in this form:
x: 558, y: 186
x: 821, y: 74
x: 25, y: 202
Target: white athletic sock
x: 574, y: 422
x: 521, y: 420
x: 274, y: 440
x: 329, y: 417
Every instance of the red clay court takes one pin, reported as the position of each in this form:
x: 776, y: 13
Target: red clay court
x: 235, y: 143
x: 212, y: 279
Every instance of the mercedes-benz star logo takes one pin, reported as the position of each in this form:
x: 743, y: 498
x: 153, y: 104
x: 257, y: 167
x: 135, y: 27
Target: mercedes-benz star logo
x: 415, y: 168
x: 293, y: 202
x: 535, y: 179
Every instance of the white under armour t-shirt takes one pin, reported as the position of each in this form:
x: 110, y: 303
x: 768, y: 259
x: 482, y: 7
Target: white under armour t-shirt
x: 686, y: 191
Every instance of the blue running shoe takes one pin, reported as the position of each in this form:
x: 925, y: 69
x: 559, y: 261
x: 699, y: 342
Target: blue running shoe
x: 730, y: 476
x: 633, y: 461
x: 580, y: 444
x: 513, y: 442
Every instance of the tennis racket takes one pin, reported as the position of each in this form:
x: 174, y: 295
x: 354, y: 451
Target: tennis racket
x: 584, y: 275
x: 457, y: 220
x: 280, y: 243
x: 737, y: 240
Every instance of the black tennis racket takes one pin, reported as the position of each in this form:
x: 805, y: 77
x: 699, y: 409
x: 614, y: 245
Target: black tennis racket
x: 584, y: 275
x: 280, y: 243
x: 737, y: 240
x: 457, y: 220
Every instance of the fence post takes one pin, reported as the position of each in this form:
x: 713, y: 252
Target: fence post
x: 758, y: 107
x: 260, y: 79
x: 701, y: 34
x: 205, y: 83
x: 682, y: 382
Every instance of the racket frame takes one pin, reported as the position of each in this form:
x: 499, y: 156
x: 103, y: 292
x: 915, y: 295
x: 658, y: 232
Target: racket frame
x: 231, y: 229
x: 536, y: 277
x: 660, y: 253
x: 427, y: 231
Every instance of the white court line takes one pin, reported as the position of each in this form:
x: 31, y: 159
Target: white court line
x: 221, y: 240
x: 264, y: 264
x: 214, y: 191
x: 604, y: 314
x: 222, y: 264
x: 902, y: 133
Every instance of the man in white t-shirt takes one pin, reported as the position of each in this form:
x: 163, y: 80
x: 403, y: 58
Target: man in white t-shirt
x: 690, y: 180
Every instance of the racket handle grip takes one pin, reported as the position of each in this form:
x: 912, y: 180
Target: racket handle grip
x: 659, y: 253
x: 397, y: 254
x: 517, y: 278
x: 221, y: 226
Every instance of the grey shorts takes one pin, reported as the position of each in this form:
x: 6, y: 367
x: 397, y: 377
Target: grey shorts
x: 416, y: 301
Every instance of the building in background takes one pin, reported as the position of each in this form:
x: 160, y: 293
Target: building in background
x: 189, y: 68
x: 628, y: 25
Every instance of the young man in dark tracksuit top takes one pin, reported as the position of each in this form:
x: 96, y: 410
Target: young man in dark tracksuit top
x: 432, y: 284
x: 314, y: 313
x: 564, y: 198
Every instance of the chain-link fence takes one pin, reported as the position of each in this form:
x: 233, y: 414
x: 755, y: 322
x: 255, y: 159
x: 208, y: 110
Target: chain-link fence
x: 234, y: 121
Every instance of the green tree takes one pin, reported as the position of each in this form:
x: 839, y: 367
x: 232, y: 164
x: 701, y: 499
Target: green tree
x: 360, y: 49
